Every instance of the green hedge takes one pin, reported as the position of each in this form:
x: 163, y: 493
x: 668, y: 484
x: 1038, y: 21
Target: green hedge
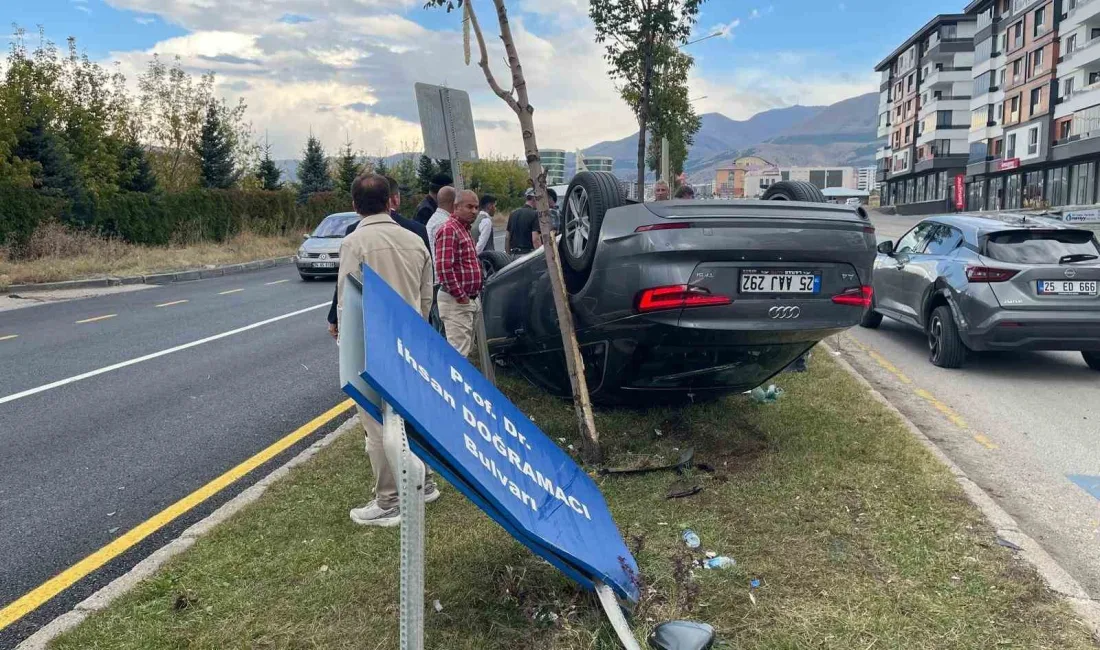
x: 160, y: 219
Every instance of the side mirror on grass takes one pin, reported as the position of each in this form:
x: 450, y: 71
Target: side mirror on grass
x: 886, y: 247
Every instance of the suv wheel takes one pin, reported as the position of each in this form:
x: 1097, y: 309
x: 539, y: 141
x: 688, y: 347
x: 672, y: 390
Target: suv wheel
x: 1093, y: 359
x: 871, y: 319
x: 945, y: 348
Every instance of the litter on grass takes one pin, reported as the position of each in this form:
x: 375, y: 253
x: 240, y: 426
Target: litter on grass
x: 685, y: 461
x: 691, y: 539
x: 768, y: 395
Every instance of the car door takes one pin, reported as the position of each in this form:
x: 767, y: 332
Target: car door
x: 924, y: 268
x: 890, y: 281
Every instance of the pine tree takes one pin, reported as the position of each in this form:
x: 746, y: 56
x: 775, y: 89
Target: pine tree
x: 424, y: 173
x: 381, y: 167
x: 347, y: 168
x: 52, y: 169
x: 215, y: 150
x: 135, y: 172
x: 313, y: 171
x: 443, y: 166
x: 269, y: 174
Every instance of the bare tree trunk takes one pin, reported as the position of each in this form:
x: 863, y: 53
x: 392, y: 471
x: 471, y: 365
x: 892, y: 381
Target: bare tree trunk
x: 520, y: 103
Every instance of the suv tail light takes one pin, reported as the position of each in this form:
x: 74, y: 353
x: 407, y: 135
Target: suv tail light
x: 988, y: 274
x: 856, y: 296
x: 678, y: 296
x: 676, y: 225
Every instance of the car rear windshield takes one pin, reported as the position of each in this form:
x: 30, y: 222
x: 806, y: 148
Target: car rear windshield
x: 1042, y: 246
x: 335, y: 225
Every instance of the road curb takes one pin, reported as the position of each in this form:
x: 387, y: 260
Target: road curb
x: 151, y: 564
x: 153, y: 278
x: 1053, y: 574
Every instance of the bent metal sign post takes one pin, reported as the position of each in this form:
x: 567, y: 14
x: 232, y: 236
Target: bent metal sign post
x: 468, y: 431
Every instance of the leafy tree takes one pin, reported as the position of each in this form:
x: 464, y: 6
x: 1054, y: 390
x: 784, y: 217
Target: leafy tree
x: 425, y: 170
x: 313, y: 171
x: 640, y: 39
x: 443, y: 166
x: 380, y: 167
x: 172, y: 106
x: 673, y: 116
x: 215, y: 152
x: 347, y: 168
x: 269, y: 173
x: 135, y: 172
x: 517, y: 99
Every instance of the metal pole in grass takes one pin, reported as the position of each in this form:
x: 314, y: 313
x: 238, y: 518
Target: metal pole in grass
x: 410, y: 486
x: 487, y: 368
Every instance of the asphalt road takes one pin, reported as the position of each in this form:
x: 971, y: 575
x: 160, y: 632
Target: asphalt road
x: 83, y: 462
x: 1024, y: 426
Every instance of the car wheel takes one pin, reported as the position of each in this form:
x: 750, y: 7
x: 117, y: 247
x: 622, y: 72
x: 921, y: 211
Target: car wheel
x: 493, y: 261
x: 945, y: 348
x: 1093, y: 359
x: 871, y: 319
x: 794, y: 191
x: 589, y: 197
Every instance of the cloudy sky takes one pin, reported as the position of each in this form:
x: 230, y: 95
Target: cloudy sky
x: 346, y: 68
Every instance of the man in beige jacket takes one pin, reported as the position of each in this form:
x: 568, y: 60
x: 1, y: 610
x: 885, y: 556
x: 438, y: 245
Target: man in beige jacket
x: 401, y: 259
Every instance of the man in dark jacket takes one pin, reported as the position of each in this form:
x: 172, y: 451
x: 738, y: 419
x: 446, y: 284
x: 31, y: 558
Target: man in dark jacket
x: 429, y: 205
x: 407, y: 224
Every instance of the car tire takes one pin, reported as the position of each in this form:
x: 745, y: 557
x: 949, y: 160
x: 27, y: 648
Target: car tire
x: 493, y: 261
x: 589, y: 197
x: 1092, y: 359
x: 945, y: 348
x: 871, y: 319
x: 794, y: 191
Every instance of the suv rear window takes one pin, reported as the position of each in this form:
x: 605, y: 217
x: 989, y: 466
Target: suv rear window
x: 1040, y: 246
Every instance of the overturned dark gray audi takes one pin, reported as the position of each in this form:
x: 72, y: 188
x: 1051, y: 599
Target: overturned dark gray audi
x: 681, y: 300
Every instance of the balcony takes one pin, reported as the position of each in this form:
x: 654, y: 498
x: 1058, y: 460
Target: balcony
x: 1079, y: 99
x: 884, y: 130
x: 1086, y: 53
x: 942, y: 161
x: 944, y: 103
x: 946, y: 76
x: 1086, y: 11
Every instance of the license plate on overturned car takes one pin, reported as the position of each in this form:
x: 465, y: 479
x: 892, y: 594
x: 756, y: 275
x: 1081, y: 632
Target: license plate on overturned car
x: 1068, y: 287
x: 780, y: 281
x: 324, y: 265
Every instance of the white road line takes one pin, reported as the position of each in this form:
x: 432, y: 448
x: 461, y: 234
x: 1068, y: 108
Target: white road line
x: 155, y: 355
x: 95, y: 320
x: 226, y: 293
x: 9, y: 337
x: 276, y: 282
x: 169, y: 304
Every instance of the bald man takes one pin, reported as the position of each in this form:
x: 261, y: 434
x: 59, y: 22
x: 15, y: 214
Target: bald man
x: 446, y: 200
x: 458, y: 272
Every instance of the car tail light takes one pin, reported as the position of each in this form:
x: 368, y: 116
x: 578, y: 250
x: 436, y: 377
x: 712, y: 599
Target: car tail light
x: 676, y: 225
x: 988, y: 274
x: 678, y: 296
x: 856, y: 296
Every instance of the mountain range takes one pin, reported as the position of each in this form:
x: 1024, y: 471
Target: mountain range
x: 842, y: 134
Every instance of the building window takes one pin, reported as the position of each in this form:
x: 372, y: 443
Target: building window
x: 1017, y: 67
x: 1013, y: 184
x: 943, y: 119
x: 1040, y: 18
x: 1094, y: 77
x: 1071, y: 44
x: 1014, y: 110
x: 1036, y: 98
x: 1033, y: 189
x: 1003, y: 73
x: 1033, y: 141
x: 996, y: 147
x: 1004, y: 42
x: 1057, y: 190
x: 1083, y: 184
x: 1000, y: 112
x: 941, y: 185
x: 1064, y: 130
x: 1018, y: 35
x: 1037, y: 61
x: 996, y: 193
x: 1010, y: 151
x: 908, y: 133
x: 1067, y: 87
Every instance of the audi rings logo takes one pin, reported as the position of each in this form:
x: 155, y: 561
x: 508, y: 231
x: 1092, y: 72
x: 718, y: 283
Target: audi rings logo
x: 785, y: 313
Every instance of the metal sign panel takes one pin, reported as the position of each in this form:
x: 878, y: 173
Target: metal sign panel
x: 446, y: 122
x: 470, y: 433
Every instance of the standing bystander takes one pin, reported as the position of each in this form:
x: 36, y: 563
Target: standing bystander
x: 459, y: 274
x: 522, y: 236
x: 427, y: 207
x: 399, y: 257
x: 446, y: 200
x: 482, y: 231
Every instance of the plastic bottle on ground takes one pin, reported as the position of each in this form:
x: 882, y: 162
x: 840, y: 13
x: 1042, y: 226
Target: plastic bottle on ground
x: 691, y: 539
x: 721, y: 562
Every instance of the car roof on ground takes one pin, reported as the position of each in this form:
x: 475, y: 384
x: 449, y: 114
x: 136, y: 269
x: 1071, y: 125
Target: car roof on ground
x: 983, y: 223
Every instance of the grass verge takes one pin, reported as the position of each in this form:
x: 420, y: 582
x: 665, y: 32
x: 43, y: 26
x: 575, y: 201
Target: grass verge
x: 59, y: 253
x: 859, y: 537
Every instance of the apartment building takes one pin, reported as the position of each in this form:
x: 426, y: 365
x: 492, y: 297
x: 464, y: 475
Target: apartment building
x: 925, y: 114
x: 865, y: 179
x: 553, y: 161
x: 594, y: 163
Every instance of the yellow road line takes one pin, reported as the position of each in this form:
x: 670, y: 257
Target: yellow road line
x: 985, y: 442
x: 35, y: 598
x: 9, y: 337
x: 881, y: 360
x: 225, y: 293
x: 97, y: 318
x: 169, y: 304
x: 955, y: 418
x: 276, y: 282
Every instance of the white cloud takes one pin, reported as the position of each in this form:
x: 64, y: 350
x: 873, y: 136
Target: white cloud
x: 145, y: 20
x: 82, y: 8
x: 725, y: 30
x: 755, y: 13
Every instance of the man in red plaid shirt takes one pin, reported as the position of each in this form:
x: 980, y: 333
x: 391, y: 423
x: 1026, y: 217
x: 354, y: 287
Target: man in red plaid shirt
x: 459, y: 273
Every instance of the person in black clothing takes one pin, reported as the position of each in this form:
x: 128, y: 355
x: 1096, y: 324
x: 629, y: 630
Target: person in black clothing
x: 429, y: 205
x: 523, y: 227
x: 407, y: 224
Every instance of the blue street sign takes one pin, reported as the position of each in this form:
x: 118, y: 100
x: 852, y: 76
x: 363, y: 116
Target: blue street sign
x: 468, y: 431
